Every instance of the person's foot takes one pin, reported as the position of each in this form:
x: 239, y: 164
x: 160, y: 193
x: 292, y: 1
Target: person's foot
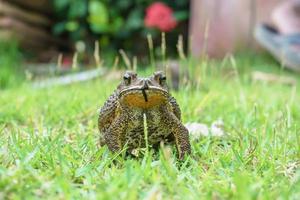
x: 285, y: 48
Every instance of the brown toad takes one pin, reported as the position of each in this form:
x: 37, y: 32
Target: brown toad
x: 121, y: 119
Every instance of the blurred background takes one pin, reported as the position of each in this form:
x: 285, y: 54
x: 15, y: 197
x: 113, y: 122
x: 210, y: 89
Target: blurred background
x: 39, y: 33
x: 45, y: 28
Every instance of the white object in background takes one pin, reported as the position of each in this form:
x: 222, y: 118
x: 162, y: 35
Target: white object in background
x: 196, y: 130
x: 70, y: 78
x: 217, y: 128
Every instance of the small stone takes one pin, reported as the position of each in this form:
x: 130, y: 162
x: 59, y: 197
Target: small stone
x: 217, y: 128
x: 197, y: 130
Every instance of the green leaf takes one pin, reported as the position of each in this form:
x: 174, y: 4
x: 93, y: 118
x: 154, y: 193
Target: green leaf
x: 59, y: 28
x: 98, y: 16
x: 181, y: 15
x: 117, y: 24
x: 77, y: 9
x: 61, y: 4
x: 135, y: 20
x: 123, y: 5
x: 72, y: 26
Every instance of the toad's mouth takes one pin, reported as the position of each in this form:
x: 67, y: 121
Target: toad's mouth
x: 143, y: 97
x: 144, y: 89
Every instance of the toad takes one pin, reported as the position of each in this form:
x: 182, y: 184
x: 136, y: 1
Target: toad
x: 121, y: 119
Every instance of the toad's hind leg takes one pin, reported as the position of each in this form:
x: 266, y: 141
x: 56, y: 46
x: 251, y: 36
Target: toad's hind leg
x: 107, y: 115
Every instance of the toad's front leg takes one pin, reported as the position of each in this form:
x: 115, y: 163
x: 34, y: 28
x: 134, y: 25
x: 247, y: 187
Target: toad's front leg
x: 179, y: 132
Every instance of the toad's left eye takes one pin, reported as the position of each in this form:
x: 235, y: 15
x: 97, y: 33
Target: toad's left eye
x: 162, y: 80
x: 127, y: 79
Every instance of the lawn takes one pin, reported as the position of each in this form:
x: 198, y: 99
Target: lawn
x: 49, y: 140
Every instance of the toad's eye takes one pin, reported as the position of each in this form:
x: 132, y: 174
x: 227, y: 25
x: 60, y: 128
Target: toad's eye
x: 127, y: 79
x: 162, y: 79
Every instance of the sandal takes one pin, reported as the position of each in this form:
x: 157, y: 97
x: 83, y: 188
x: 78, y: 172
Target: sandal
x: 285, y: 48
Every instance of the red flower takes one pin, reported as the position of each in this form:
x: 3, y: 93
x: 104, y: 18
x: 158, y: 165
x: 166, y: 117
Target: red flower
x: 159, y: 15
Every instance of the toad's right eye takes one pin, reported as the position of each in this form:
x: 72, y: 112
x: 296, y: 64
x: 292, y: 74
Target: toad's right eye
x: 127, y: 79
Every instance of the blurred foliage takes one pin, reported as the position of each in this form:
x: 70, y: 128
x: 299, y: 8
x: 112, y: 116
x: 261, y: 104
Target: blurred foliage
x: 10, y: 68
x: 115, y: 23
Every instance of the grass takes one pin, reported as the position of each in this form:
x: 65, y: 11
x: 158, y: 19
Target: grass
x: 10, y: 57
x: 48, y: 141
